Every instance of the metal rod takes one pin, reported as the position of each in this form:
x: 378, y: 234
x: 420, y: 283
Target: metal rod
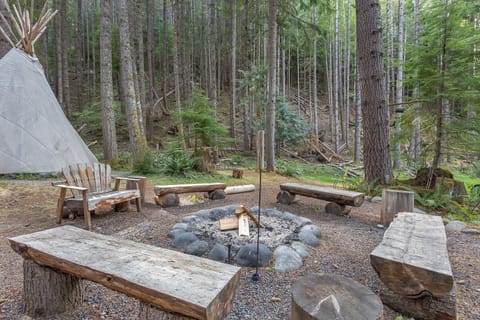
x: 256, y: 276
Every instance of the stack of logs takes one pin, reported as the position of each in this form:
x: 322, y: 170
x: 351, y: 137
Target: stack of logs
x: 240, y: 222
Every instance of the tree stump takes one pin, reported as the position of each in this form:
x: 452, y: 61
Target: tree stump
x: 47, y: 292
x: 168, y: 200
x: 216, y: 194
x: 393, y: 202
x: 332, y: 297
x: 337, y: 209
x: 149, y: 312
x: 285, y: 197
x: 237, y: 173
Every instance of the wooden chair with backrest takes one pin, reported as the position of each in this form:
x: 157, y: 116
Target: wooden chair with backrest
x: 91, y: 189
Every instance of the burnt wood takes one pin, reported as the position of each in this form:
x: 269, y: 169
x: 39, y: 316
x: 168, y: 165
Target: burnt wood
x: 172, y: 281
x: 342, y: 197
x: 412, y: 259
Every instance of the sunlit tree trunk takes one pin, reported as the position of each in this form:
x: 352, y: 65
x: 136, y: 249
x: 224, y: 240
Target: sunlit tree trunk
x: 270, y: 112
x: 176, y: 67
x: 347, y: 77
x: 138, y: 143
x: 106, y: 82
x: 65, y: 39
x: 399, y: 82
x: 336, y: 73
x: 233, y: 79
x: 150, y: 69
x: 79, y: 65
x: 358, y: 119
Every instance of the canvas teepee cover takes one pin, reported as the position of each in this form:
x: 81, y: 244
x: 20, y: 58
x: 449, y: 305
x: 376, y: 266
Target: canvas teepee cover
x: 36, y: 135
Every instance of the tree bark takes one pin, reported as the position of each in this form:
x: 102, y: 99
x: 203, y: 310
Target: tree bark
x: 4, y: 44
x: 399, y: 82
x: 272, y: 87
x: 176, y: 65
x: 106, y: 85
x: 79, y: 65
x: 151, y: 68
x: 65, y: 39
x: 375, y: 112
x: 138, y: 144
x: 47, y: 292
x: 233, y: 79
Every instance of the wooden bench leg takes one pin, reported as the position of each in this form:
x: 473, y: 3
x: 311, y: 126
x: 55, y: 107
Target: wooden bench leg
x: 216, y: 194
x: 149, y: 312
x: 47, y: 292
x: 138, y: 203
x: 168, y: 200
x: 60, y: 204
x: 86, y: 212
x: 285, y: 197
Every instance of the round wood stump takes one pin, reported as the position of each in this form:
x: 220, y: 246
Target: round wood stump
x: 285, y: 197
x: 337, y: 209
x: 332, y: 297
x: 216, y: 194
x: 168, y: 200
x: 237, y: 173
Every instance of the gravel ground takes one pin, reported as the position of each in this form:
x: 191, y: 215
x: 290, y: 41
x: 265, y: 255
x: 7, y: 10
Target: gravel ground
x: 344, y: 250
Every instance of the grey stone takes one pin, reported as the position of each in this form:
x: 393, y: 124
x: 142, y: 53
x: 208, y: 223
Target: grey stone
x: 380, y: 226
x: 182, y: 226
x: 273, y: 213
x: 175, y: 233
x: 302, y: 221
x: 203, y: 214
x: 197, y: 248
x: 184, y: 239
x: 300, y: 248
x: 418, y: 210
x: 307, y: 237
x: 286, y: 259
x: 455, y: 226
x: 376, y: 199
x: 313, y: 229
x: 218, y: 213
x: 288, y: 216
x: 219, y: 252
x: 247, y: 255
x: 471, y: 231
x: 189, y: 219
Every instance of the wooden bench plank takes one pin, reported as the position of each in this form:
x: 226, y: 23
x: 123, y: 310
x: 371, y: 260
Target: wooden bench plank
x: 412, y: 258
x: 104, y: 200
x: 175, y: 282
x: 188, y: 188
x: 343, y: 197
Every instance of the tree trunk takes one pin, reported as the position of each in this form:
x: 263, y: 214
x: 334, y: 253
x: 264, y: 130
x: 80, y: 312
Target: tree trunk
x: 79, y: 65
x: 314, y: 83
x: 47, y: 292
x: 176, y: 65
x: 393, y: 202
x: 138, y: 144
x: 272, y: 86
x: 358, y: 118
x: 347, y: 77
x: 165, y: 57
x: 336, y: 74
x: 106, y: 82
x: 4, y: 44
x: 375, y: 113
x: 151, y: 69
x: 399, y: 82
x: 233, y: 79
x: 212, y: 53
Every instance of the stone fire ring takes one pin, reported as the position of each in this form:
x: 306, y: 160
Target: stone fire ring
x: 286, y: 237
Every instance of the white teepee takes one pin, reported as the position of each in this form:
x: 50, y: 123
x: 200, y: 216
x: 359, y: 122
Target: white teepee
x: 35, y: 134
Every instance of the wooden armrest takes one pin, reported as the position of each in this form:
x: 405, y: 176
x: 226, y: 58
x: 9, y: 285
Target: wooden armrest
x: 56, y: 183
x: 64, y: 186
x: 126, y: 178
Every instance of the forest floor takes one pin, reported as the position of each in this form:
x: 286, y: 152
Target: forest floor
x: 346, y: 243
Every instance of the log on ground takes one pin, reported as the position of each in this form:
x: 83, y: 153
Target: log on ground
x: 412, y: 258
x: 329, y: 297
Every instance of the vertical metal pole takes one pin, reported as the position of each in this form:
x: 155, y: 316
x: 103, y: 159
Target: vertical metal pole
x: 260, y: 159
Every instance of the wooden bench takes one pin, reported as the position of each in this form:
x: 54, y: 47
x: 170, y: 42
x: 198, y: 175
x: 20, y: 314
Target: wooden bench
x: 167, y: 195
x: 169, y: 284
x: 91, y: 190
x: 339, y: 199
x: 412, y: 262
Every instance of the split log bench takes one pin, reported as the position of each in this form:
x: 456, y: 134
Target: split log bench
x: 412, y: 263
x: 91, y: 189
x: 169, y: 284
x: 339, y: 199
x: 167, y: 195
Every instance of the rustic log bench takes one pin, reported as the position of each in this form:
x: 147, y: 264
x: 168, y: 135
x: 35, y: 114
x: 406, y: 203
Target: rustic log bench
x: 412, y: 262
x: 167, y: 195
x: 169, y: 284
x: 339, y: 199
x: 91, y: 190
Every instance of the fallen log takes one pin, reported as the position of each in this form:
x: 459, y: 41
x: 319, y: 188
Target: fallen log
x: 342, y: 197
x: 412, y: 259
x: 240, y: 189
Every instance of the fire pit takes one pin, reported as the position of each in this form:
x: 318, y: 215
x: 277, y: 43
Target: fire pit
x: 285, y: 236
